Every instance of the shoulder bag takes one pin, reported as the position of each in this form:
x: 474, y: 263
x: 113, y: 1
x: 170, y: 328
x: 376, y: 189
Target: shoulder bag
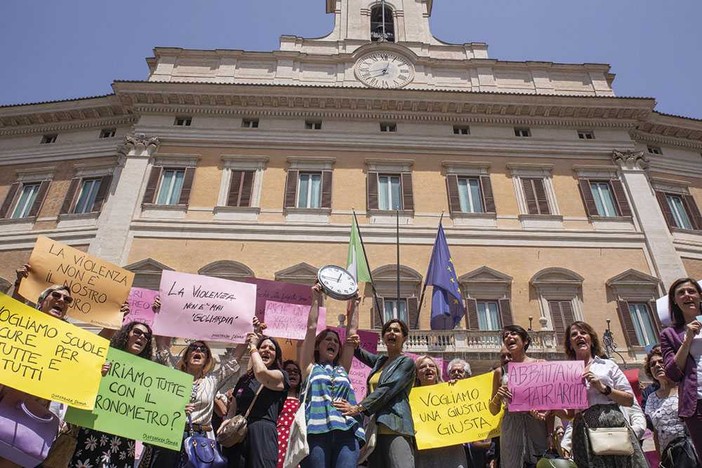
x: 298, y: 448
x: 202, y: 452
x: 609, y: 440
x: 233, y: 430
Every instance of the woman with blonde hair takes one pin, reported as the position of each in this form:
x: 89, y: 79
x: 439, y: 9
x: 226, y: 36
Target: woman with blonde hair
x: 428, y: 373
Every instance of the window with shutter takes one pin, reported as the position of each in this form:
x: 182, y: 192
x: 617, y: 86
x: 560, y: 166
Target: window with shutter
x: 535, y: 195
x: 240, y: 188
x: 24, y: 200
x: 605, y: 198
x: 626, y: 319
x: 561, y: 316
x: 679, y: 210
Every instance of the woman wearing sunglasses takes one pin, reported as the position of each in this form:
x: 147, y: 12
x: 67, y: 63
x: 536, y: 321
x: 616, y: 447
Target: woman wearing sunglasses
x: 95, y: 448
x: 196, y: 360
x: 54, y: 300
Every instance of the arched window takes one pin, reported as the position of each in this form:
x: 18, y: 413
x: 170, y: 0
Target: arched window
x: 382, y: 24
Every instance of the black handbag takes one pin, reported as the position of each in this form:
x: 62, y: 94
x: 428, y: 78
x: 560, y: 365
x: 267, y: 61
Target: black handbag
x: 202, y: 452
x: 679, y: 454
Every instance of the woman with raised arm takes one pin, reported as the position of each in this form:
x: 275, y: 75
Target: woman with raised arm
x: 681, y: 345
x: 525, y: 435
x: 263, y: 389
x: 607, y: 390
x: 334, y: 438
x: 390, y: 382
x: 197, y: 360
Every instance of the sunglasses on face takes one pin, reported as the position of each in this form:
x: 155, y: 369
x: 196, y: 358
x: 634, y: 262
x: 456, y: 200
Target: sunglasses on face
x: 457, y: 371
x: 139, y: 333
x: 66, y: 298
x: 200, y: 348
x: 292, y: 371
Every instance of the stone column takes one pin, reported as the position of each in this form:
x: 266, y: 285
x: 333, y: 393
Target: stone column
x: 633, y: 167
x: 111, y: 239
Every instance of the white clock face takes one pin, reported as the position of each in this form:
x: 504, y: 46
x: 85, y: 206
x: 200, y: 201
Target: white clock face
x: 384, y: 70
x: 337, y: 282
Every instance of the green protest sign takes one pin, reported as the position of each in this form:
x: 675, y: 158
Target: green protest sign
x: 139, y: 399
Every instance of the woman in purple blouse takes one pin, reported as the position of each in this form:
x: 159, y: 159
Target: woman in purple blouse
x: 682, y: 353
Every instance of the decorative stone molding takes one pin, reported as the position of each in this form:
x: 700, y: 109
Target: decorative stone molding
x: 139, y: 144
x: 630, y: 160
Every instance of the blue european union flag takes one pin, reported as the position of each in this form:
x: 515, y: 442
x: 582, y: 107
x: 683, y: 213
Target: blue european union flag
x: 446, y: 303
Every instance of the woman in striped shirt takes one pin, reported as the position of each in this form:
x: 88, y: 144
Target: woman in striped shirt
x: 334, y: 439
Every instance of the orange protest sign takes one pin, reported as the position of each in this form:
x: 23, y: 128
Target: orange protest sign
x: 99, y: 288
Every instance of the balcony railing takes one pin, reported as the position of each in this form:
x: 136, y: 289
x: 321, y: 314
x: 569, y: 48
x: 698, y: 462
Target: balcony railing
x: 467, y: 341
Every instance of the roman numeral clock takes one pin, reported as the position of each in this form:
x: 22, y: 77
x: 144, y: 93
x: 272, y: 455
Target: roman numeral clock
x: 382, y: 69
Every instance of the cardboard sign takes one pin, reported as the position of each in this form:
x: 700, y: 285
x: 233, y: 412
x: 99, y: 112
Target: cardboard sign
x: 140, y: 301
x: 285, y: 320
x: 99, y: 288
x: 204, y: 308
x: 139, y: 399
x: 47, y: 357
x: 546, y: 385
x: 291, y: 347
x: 446, y: 415
x: 278, y: 291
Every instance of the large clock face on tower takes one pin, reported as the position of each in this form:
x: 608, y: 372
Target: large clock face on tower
x: 384, y: 70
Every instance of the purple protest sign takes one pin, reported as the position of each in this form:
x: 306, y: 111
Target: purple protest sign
x: 267, y: 290
x: 546, y: 385
x: 204, y: 308
x: 285, y: 320
x: 140, y: 301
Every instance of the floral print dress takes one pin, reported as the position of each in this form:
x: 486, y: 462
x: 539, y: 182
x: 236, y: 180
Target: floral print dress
x: 95, y: 449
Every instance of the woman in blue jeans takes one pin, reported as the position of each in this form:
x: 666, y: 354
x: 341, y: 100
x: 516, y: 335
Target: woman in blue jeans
x: 334, y: 439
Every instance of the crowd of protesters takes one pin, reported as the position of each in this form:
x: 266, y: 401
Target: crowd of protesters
x: 345, y: 429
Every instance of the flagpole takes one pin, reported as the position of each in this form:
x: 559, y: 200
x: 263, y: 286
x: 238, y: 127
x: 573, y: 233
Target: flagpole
x: 397, y: 243
x: 421, y: 297
x: 365, y: 256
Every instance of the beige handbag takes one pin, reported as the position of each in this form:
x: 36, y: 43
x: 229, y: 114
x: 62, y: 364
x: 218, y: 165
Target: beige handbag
x: 610, y: 440
x: 233, y: 431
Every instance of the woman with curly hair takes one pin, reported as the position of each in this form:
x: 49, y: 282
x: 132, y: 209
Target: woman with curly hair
x: 264, y: 388
x: 95, y: 448
x: 670, y: 436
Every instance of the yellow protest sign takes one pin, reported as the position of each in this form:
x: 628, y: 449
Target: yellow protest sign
x: 99, y: 288
x: 446, y: 415
x: 47, y: 357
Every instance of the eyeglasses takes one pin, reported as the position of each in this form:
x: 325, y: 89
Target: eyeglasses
x: 457, y: 371
x: 66, y: 298
x: 200, y: 348
x: 139, y: 333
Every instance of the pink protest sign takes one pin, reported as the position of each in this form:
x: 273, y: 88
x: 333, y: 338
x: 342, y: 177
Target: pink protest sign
x: 204, y: 308
x: 546, y: 385
x: 267, y: 290
x: 285, y: 320
x: 140, y: 301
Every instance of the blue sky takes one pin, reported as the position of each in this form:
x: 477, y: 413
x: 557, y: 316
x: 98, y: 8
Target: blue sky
x: 59, y: 49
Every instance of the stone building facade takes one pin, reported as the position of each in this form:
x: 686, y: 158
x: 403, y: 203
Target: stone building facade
x: 560, y: 200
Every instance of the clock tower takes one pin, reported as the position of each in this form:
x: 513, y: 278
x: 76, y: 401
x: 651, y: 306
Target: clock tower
x: 402, y: 22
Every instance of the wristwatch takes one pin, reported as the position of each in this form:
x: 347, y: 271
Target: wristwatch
x: 607, y: 390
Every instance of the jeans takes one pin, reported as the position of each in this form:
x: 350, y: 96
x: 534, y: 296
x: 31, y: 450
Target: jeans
x: 334, y: 449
